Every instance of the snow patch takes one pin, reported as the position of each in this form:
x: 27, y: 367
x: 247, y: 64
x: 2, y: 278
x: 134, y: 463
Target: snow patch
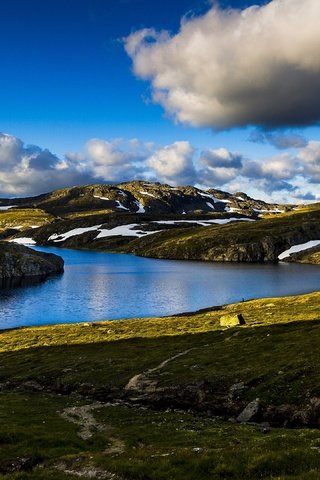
x: 121, y: 206
x: 210, y: 205
x: 149, y: 194
x: 205, y: 223
x: 124, y: 231
x: 298, y: 248
x: 24, y: 241
x: 7, y: 207
x: 275, y: 210
x: 215, y: 199
x: 72, y: 233
x: 140, y: 207
x: 232, y: 209
x: 101, y: 198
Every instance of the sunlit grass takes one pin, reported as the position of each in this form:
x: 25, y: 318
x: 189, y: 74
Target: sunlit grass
x: 24, y: 218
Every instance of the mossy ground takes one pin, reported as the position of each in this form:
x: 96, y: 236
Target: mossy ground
x: 145, y: 444
x: 276, y: 354
x: 24, y: 218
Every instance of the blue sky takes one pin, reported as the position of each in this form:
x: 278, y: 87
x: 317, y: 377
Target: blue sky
x: 68, y: 81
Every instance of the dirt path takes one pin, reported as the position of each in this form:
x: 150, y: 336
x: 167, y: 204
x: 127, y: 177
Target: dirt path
x: 140, y: 382
x: 83, y: 417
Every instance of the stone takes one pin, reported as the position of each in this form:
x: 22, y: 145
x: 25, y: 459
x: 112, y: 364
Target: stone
x: 32, y: 386
x: 250, y: 412
x: 265, y: 427
x: 233, y: 320
x: 237, y: 389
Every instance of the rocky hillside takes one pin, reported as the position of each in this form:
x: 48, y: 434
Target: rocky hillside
x: 20, y: 262
x: 310, y: 255
x: 143, y: 197
x: 260, y: 241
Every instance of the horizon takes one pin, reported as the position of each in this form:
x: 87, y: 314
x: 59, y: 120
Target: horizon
x: 216, y: 96
x: 145, y: 182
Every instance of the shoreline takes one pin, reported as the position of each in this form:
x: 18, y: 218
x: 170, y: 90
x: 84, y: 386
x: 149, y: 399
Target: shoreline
x: 214, y: 312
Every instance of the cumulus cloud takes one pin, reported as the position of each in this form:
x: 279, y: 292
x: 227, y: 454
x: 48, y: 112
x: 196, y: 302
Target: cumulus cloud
x: 219, y: 166
x: 29, y: 170
x: 108, y: 161
x: 310, y: 158
x: 308, y: 196
x: 230, y: 68
x: 281, y: 141
x: 174, y: 164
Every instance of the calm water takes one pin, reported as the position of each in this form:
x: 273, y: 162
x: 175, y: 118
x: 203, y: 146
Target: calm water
x: 98, y: 286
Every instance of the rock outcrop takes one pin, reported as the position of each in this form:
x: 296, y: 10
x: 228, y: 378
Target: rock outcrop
x: 260, y: 241
x: 18, y: 261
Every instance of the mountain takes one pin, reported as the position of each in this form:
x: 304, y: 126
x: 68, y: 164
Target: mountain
x: 142, y: 197
x: 152, y: 219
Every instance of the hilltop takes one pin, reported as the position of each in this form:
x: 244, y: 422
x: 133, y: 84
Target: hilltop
x: 141, y: 197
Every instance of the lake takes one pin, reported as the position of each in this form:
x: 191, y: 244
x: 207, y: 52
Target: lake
x: 97, y: 286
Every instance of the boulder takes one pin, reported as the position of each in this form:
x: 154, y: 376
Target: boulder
x: 250, y: 412
x: 232, y: 320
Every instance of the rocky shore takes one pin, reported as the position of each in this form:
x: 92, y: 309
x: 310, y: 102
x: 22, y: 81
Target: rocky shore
x: 18, y: 261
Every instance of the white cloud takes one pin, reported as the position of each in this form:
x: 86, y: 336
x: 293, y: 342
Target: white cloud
x: 174, y: 164
x: 29, y: 170
x: 310, y: 158
x: 227, y: 68
x: 219, y: 166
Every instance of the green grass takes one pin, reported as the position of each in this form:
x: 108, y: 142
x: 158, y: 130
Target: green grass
x: 146, y: 444
x: 44, y: 370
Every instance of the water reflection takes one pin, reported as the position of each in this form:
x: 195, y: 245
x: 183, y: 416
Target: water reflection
x: 8, y: 284
x: 98, y: 286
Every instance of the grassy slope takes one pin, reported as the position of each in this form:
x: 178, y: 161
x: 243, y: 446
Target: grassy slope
x: 275, y: 355
x: 23, y: 218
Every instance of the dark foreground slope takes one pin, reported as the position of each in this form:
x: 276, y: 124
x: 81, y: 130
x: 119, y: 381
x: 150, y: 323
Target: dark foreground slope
x: 166, y: 398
